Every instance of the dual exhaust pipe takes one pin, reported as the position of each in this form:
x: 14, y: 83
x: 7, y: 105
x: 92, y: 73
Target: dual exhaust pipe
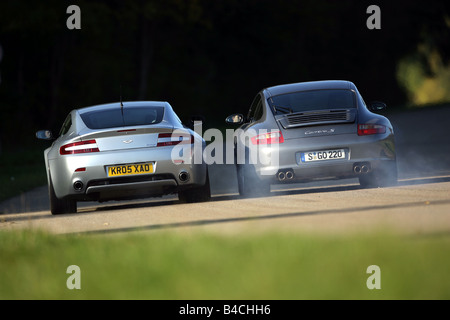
x: 358, y: 168
x: 285, y: 175
x: 362, y: 168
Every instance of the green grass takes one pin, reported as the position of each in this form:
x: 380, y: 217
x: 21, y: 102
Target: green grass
x: 204, y: 266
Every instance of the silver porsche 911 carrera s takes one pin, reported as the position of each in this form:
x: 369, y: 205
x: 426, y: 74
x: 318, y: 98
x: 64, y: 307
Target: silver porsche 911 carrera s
x: 122, y: 151
x: 313, y: 130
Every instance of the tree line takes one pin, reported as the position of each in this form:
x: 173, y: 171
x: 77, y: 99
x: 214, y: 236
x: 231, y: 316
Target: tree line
x: 206, y: 57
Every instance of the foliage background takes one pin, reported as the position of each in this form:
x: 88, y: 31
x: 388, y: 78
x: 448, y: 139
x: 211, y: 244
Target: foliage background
x: 210, y: 57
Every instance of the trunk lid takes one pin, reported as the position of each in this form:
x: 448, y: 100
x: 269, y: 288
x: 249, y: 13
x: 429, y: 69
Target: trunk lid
x: 126, y: 138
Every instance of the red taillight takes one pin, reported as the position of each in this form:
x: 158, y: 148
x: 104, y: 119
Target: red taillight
x: 268, y: 138
x: 167, y: 139
x: 79, y: 147
x: 368, y: 129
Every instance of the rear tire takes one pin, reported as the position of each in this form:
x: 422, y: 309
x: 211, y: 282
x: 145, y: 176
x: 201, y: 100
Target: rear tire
x: 60, y: 206
x: 198, y: 194
x: 249, y: 184
x: 385, y: 176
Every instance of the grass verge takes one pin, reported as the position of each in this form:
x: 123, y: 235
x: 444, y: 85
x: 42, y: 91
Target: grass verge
x: 175, y: 266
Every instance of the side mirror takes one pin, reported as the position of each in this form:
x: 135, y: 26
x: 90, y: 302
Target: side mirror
x: 44, y: 135
x: 235, y: 119
x: 377, y: 106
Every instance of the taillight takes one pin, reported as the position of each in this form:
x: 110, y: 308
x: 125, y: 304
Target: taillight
x: 268, y: 138
x: 79, y: 147
x: 368, y: 129
x: 167, y: 139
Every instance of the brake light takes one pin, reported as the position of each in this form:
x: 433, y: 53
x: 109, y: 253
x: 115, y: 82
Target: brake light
x: 167, y: 139
x: 268, y: 138
x: 368, y: 129
x: 79, y: 147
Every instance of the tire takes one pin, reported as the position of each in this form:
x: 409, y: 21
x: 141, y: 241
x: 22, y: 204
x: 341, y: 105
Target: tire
x: 385, y: 176
x: 249, y: 184
x: 60, y: 206
x: 198, y: 194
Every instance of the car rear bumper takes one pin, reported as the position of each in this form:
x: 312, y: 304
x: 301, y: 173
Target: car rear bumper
x: 130, y: 190
x: 372, y: 152
x: 92, y: 181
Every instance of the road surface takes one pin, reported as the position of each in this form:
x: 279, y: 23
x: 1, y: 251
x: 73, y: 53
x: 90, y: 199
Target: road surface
x: 420, y: 204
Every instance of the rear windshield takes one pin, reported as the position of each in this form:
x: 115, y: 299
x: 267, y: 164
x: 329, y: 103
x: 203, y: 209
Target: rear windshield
x: 132, y: 116
x: 312, y: 100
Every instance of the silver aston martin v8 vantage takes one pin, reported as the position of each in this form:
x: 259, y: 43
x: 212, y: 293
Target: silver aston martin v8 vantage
x: 122, y: 151
x: 313, y: 130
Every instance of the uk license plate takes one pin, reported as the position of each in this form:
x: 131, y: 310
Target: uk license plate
x: 323, y: 155
x: 130, y: 169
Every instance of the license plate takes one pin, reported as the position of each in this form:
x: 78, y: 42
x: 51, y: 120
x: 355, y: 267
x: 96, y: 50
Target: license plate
x: 130, y: 169
x: 323, y: 155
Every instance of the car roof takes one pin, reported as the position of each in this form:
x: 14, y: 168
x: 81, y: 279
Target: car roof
x: 125, y: 105
x: 306, y: 86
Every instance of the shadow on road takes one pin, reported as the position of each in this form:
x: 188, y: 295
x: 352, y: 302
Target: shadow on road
x: 174, y: 201
x: 204, y: 222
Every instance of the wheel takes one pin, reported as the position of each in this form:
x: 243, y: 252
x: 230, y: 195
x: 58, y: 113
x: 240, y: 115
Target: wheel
x: 249, y: 184
x: 60, y: 206
x: 198, y: 194
x: 385, y: 176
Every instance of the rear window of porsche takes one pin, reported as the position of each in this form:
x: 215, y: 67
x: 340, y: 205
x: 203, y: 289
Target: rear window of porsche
x: 132, y: 116
x: 313, y: 100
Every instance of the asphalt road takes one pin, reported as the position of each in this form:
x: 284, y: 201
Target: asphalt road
x: 420, y: 204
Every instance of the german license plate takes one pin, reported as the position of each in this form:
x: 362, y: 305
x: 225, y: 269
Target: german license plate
x: 130, y: 169
x: 323, y: 155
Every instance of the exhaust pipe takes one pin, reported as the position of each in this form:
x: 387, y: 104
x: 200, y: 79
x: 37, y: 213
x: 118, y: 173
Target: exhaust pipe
x: 78, y: 185
x: 183, y: 176
x: 285, y: 175
x: 289, y: 175
x: 361, y: 167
